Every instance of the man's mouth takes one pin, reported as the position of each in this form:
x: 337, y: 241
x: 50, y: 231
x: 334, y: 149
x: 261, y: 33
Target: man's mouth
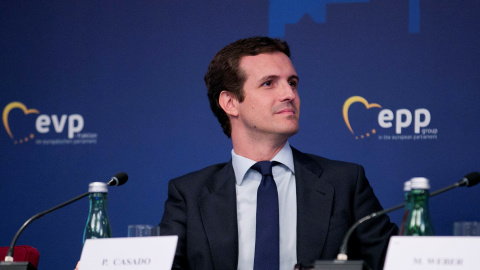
x: 289, y: 109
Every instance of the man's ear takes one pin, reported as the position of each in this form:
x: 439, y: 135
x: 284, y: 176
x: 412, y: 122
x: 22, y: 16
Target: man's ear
x: 228, y: 103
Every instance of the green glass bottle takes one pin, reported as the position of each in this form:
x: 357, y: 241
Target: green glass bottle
x: 97, y: 225
x: 407, y: 194
x: 419, y: 222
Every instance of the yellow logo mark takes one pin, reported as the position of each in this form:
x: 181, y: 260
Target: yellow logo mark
x: 347, y: 105
x: 6, y: 111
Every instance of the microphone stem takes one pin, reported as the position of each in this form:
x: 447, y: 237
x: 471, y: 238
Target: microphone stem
x: 9, y: 256
x: 436, y: 192
x: 343, y: 248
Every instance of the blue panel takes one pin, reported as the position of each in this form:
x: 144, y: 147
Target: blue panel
x: 93, y: 88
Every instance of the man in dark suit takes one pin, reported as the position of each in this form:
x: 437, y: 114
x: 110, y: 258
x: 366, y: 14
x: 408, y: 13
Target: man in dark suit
x: 252, y: 89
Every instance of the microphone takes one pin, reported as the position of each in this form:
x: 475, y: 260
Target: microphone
x: 468, y: 180
x: 120, y: 178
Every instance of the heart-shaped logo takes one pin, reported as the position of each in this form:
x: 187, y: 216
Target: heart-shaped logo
x: 347, y: 105
x: 6, y: 111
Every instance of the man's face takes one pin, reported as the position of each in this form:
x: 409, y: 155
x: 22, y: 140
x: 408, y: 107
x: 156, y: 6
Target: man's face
x: 271, y: 105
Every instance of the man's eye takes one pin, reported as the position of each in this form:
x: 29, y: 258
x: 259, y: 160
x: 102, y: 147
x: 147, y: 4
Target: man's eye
x: 267, y: 83
x: 293, y: 83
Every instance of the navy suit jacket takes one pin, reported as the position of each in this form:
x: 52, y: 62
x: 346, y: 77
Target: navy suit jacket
x: 331, y: 196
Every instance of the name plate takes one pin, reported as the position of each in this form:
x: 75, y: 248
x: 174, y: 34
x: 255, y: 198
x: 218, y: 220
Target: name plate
x: 433, y: 252
x: 139, y: 253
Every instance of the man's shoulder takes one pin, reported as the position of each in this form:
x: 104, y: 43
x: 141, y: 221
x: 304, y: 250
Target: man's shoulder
x: 343, y: 176
x: 202, y: 175
x: 325, y: 163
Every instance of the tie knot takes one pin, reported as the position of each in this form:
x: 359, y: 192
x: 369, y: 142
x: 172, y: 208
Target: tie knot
x: 263, y: 167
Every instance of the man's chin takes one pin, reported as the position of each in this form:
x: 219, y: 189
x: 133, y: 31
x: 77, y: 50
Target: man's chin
x: 290, y: 132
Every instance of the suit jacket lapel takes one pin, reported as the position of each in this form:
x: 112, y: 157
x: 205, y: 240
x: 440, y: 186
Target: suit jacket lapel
x: 218, y: 209
x: 314, y: 206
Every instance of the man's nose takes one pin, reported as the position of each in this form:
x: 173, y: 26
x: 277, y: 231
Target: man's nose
x: 288, y: 91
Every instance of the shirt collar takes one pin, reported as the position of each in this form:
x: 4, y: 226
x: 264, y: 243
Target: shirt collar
x: 242, y: 164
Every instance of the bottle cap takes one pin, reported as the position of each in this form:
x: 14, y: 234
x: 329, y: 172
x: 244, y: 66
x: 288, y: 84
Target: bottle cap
x: 420, y: 183
x: 98, y: 187
x: 407, y: 186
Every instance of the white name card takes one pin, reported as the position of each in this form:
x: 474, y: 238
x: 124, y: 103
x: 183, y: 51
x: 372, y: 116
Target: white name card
x: 139, y: 253
x: 433, y: 252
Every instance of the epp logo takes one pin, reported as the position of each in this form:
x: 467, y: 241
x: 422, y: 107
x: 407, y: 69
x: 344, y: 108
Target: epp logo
x: 402, y: 118
x: 74, y: 122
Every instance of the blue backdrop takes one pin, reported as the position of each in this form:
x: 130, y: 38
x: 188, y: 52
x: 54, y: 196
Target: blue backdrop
x: 89, y: 88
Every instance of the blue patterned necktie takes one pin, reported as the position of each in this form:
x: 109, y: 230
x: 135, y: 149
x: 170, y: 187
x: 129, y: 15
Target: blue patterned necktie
x: 267, y: 243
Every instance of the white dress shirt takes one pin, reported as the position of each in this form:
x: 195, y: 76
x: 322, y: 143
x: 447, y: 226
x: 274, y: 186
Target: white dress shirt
x: 247, y: 182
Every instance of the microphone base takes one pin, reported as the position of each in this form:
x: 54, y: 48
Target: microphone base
x: 16, y: 266
x: 340, y: 265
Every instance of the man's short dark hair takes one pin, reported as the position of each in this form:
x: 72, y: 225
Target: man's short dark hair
x: 224, y: 73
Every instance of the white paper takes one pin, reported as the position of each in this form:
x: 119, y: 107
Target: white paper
x: 139, y: 253
x: 433, y: 252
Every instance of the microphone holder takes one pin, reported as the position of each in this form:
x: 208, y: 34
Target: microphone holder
x: 469, y: 180
x: 9, y: 263
x: 16, y: 266
x: 342, y: 261
x: 119, y: 179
